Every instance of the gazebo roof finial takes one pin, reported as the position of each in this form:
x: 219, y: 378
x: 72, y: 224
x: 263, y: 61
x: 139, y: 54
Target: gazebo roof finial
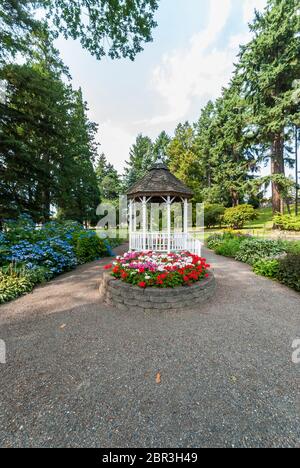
x: 160, y: 157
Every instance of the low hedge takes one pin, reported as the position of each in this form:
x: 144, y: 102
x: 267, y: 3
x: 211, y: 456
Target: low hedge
x: 89, y: 247
x: 274, y: 259
x: 287, y: 222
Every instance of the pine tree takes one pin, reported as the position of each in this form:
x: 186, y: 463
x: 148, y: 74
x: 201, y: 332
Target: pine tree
x: 183, y: 158
x: 269, y: 65
x: 108, y: 179
x: 140, y: 160
x: 32, y: 139
x: 79, y: 195
x: 161, y: 146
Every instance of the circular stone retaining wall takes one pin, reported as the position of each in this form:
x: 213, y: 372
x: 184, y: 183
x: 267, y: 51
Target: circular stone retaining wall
x: 125, y: 296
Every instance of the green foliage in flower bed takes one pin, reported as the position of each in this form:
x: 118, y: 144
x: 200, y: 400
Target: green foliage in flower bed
x: 274, y: 259
x: 266, y: 267
x: 214, y: 241
x: 289, y: 271
x: 293, y: 247
x: 12, y: 286
x: 230, y: 247
x: 30, y: 255
x: 237, y: 217
x: 287, y: 222
x: 253, y: 249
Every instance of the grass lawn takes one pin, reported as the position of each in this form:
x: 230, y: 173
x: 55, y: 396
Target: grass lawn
x: 260, y: 227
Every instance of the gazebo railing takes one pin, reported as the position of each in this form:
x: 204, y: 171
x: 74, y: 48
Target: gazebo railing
x: 163, y: 242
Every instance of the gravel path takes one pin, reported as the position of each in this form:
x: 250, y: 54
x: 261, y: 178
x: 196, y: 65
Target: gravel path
x: 80, y: 374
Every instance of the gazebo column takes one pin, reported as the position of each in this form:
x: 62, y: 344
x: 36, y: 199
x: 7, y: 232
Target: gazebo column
x: 130, y: 224
x: 169, y: 223
x: 134, y: 216
x: 185, y: 221
x: 144, y: 204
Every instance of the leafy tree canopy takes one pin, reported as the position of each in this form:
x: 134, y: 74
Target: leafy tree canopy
x: 116, y: 28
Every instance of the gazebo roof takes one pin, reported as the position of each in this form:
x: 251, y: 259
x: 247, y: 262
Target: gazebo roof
x: 159, y: 181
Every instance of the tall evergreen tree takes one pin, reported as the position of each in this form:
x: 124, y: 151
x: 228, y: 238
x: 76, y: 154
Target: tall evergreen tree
x: 79, y: 195
x: 183, y: 158
x: 108, y: 179
x: 269, y: 64
x: 161, y: 146
x: 33, y: 132
x: 140, y: 159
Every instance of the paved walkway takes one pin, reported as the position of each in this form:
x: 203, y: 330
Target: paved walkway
x: 81, y: 374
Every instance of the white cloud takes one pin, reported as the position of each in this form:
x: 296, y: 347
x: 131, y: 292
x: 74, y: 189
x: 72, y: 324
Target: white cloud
x: 194, y: 71
x: 200, y: 70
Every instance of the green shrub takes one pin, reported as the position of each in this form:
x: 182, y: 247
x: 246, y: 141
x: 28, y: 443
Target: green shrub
x: 12, y: 286
x: 293, y: 247
x: 254, y: 249
x: 287, y: 222
x: 229, y: 247
x: 236, y: 217
x: 88, y: 246
x: 266, y: 267
x: 289, y: 271
x: 213, y: 215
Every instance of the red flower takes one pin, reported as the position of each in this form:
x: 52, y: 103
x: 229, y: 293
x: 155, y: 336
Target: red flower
x: 142, y: 270
x: 142, y: 284
x: 186, y: 279
x: 108, y: 267
x: 124, y: 275
x: 207, y: 275
x: 116, y: 269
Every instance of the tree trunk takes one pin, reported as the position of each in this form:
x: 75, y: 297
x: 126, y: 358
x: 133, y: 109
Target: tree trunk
x: 235, y: 198
x: 46, y: 205
x: 277, y: 167
x: 46, y: 191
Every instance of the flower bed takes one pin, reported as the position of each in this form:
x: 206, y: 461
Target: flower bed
x: 150, y: 269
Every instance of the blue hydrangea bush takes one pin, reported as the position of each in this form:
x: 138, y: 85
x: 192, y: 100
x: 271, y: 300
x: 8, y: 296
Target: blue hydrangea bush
x: 31, y: 254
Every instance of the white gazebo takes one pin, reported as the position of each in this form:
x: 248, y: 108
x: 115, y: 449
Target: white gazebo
x: 159, y: 213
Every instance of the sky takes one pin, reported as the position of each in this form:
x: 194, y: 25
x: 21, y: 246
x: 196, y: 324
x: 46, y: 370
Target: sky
x: 189, y: 61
